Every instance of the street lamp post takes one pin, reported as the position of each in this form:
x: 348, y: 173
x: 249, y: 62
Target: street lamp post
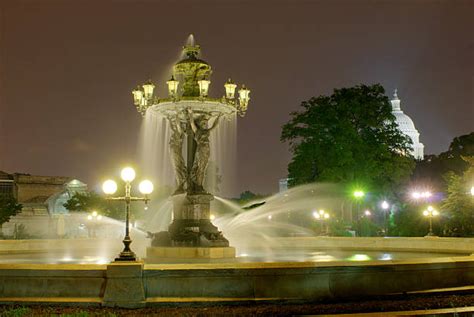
x: 358, y: 195
x: 110, y: 187
x: 321, y: 216
x: 430, y: 212
x: 385, y: 206
x: 93, y: 218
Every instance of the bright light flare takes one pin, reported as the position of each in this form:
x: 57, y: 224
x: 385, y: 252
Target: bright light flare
x: 145, y: 187
x: 359, y: 194
x: 385, y: 205
x: 109, y: 187
x: 128, y: 174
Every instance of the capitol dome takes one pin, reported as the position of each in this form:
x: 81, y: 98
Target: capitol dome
x: 406, y: 125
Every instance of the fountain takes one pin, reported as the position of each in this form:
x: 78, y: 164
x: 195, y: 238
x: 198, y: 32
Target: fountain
x: 278, y: 257
x: 191, y: 116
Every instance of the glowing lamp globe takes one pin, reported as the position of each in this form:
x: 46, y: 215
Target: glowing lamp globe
x: 89, y: 217
x: 425, y: 213
x: 316, y: 215
x: 94, y: 213
x: 145, y: 187
x: 99, y: 217
x: 128, y: 174
x: 430, y: 208
x: 385, y: 204
x: 326, y: 216
x: 109, y: 187
x: 148, y: 88
x: 230, y: 89
x: 204, y: 87
x: 472, y: 190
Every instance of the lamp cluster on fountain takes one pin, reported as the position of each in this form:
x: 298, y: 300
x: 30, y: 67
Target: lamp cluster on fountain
x: 144, y: 95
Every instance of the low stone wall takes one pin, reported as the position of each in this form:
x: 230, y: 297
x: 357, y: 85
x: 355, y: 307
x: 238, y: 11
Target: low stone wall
x: 138, y: 285
x: 407, y: 244
x: 36, y: 283
x: 153, y: 284
x: 305, y: 281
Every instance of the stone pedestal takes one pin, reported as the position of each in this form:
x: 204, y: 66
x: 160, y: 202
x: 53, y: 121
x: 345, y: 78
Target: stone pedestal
x: 191, y: 236
x: 191, y: 226
x: 124, y: 285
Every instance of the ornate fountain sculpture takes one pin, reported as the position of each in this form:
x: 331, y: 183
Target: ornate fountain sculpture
x: 192, y: 115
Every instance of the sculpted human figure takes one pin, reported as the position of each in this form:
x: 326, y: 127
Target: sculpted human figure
x: 202, y: 131
x: 176, y: 146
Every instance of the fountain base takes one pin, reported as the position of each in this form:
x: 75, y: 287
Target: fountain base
x: 191, y: 226
x: 172, y: 254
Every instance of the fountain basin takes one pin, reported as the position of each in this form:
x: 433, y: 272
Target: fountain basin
x: 224, y: 282
x: 93, y: 284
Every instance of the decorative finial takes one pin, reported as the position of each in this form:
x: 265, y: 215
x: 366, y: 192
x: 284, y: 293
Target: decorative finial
x: 395, y: 96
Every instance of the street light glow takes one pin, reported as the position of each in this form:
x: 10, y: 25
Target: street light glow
x: 109, y: 187
x: 359, y: 194
x: 128, y: 174
x: 145, y: 187
x: 385, y: 205
x: 367, y: 213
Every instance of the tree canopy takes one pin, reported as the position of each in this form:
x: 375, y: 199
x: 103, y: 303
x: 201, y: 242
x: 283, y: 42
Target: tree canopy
x: 8, y: 208
x: 459, y: 202
x: 90, y: 201
x: 350, y: 136
x: 433, y: 168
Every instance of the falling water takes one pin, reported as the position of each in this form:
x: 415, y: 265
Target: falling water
x: 154, y: 150
x: 221, y: 169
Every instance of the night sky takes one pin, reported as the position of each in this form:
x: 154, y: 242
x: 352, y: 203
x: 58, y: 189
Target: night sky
x: 67, y: 69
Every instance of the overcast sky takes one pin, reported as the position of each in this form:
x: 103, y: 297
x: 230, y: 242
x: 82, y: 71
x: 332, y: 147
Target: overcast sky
x: 67, y: 69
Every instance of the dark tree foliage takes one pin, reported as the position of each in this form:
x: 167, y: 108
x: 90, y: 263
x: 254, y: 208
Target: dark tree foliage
x: 350, y: 136
x: 459, y: 204
x: 248, y: 196
x: 90, y: 201
x: 432, y: 168
x: 409, y: 221
x: 8, y: 208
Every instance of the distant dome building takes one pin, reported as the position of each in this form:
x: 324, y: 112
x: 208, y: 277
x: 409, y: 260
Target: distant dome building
x: 406, y: 125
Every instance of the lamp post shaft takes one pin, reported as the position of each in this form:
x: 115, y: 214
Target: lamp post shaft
x: 431, y: 225
x: 127, y: 254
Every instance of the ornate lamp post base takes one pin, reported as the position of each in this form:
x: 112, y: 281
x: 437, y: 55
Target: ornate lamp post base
x: 127, y: 254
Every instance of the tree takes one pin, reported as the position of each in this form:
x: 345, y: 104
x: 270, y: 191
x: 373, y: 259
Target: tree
x: 409, y: 221
x: 89, y: 201
x: 8, y: 208
x: 459, y: 204
x: 433, y: 168
x: 350, y: 137
x: 248, y: 196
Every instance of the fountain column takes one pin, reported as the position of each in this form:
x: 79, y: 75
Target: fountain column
x: 192, y: 116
